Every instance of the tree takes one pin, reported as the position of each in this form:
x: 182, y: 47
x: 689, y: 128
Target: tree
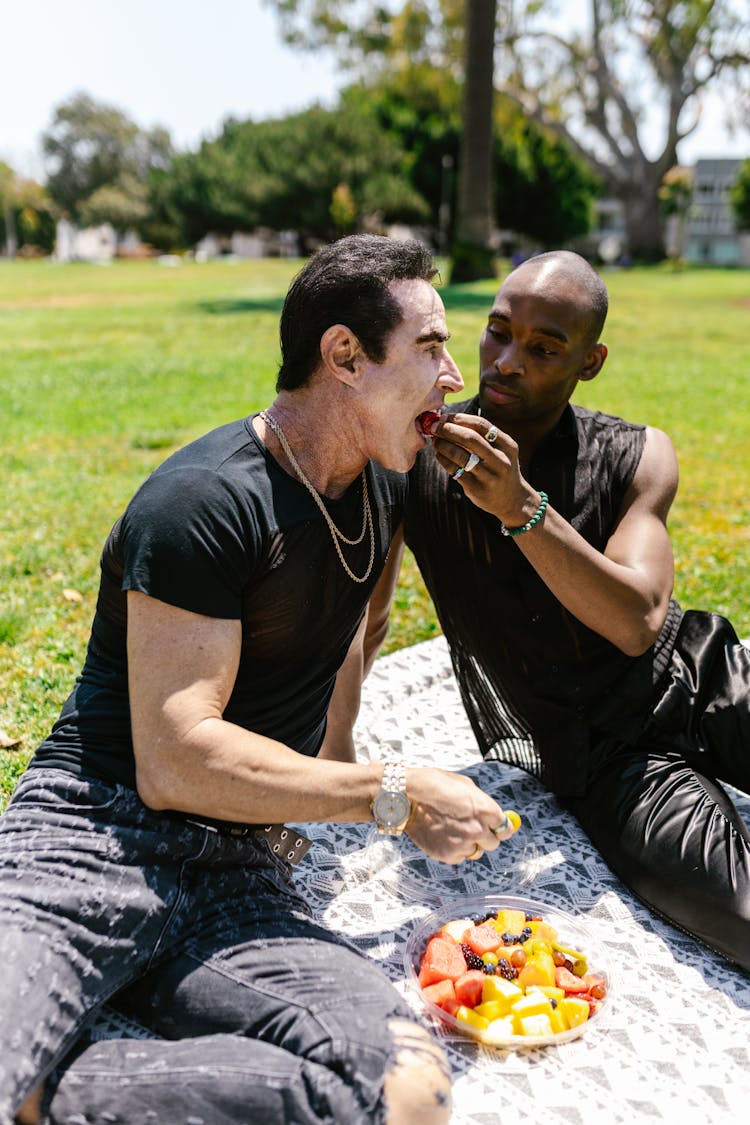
x: 99, y: 162
x: 456, y: 36
x: 9, y: 200
x: 676, y: 195
x: 596, y: 89
x: 289, y: 174
x: 26, y: 221
x: 472, y: 254
x: 539, y: 188
x: 740, y: 196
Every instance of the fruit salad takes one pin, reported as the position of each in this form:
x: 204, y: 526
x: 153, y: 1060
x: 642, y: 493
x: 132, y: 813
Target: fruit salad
x: 506, y: 975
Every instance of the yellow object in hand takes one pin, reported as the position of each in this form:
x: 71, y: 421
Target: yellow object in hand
x: 514, y: 819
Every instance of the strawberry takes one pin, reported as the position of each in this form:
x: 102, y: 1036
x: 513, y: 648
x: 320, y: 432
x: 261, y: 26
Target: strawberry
x: 426, y: 419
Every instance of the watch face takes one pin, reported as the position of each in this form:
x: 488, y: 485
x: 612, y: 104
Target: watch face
x: 391, y: 810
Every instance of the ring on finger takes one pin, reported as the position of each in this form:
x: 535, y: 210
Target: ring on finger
x: 472, y: 462
x: 458, y: 473
x: 491, y: 435
x: 476, y: 853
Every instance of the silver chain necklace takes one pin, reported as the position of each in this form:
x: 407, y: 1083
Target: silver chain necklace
x: 336, y: 534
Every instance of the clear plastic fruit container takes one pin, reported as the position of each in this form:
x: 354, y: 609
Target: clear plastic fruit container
x: 571, y: 931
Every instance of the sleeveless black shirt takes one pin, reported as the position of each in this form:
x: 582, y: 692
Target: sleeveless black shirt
x: 540, y: 688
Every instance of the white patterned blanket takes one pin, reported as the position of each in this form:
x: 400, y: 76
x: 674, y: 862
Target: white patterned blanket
x: 675, y: 1043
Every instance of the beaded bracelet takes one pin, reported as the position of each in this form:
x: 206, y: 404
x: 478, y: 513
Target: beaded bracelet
x: 532, y: 522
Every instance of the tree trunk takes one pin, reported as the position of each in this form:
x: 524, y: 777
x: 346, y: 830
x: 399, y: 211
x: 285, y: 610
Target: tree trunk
x: 644, y: 222
x: 472, y: 256
x: 11, y: 241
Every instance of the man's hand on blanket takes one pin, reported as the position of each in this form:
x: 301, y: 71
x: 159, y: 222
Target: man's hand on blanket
x: 453, y: 819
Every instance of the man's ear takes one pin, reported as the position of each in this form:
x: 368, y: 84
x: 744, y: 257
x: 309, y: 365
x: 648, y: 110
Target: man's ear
x: 593, y: 363
x: 341, y: 353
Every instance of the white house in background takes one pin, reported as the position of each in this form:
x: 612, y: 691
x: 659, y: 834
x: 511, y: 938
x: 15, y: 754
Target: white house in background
x: 93, y: 244
x: 260, y: 243
x: 712, y: 235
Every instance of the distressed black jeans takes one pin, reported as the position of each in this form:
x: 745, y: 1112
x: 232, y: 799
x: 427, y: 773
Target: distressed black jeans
x: 261, y: 1014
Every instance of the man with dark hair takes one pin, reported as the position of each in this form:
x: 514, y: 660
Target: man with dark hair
x: 540, y: 531
x: 143, y: 857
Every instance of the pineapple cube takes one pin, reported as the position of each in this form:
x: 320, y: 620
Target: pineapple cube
x: 499, y: 1030
x: 549, y: 990
x: 498, y: 988
x: 492, y: 1009
x: 510, y: 921
x: 575, y: 1011
x: 469, y: 1016
x: 457, y: 928
x: 540, y: 1024
x: 532, y: 1004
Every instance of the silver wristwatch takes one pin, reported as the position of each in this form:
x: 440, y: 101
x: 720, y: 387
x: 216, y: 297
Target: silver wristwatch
x: 391, y: 808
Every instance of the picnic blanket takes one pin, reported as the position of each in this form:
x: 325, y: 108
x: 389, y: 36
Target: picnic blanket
x: 675, y: 1040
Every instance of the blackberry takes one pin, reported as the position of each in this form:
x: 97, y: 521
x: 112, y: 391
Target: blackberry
x: 490, y: 969
x: 472, y: 959
x: 506, y: 970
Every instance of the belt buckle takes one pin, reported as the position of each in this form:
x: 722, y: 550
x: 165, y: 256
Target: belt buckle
x: 286, y: 843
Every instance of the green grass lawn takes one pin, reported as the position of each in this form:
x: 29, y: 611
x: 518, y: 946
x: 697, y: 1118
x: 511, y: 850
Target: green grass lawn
x: 104, y: 370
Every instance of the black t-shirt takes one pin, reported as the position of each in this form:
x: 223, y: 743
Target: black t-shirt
x: 220, y: 529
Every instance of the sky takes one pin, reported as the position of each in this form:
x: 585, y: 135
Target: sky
x: 183, y: 64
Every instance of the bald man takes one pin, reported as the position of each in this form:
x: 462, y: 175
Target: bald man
x: 540, y: 530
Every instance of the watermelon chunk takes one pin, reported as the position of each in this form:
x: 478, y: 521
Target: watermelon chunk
x: 469, y: 987
x: 441, y: 993
x: 442, y: 960
x: 483, y: 939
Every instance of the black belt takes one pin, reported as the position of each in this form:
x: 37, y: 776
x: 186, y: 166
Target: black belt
x: 284, y: 842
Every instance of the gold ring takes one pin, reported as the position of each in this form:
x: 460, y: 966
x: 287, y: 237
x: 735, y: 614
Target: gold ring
x: 471, y: 463
x: 476, y: 853
x: 491, y: 435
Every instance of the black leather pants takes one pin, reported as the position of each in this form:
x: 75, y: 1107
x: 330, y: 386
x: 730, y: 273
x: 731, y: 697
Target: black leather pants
x: 657, y: 811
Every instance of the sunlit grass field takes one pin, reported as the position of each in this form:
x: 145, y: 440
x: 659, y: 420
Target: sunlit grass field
x: 104, y: 370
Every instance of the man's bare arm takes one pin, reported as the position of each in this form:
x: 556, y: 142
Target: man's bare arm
x: 182, y: 667
x: 621, y: 593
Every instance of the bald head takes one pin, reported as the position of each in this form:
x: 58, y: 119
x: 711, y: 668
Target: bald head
x: 584, y: 283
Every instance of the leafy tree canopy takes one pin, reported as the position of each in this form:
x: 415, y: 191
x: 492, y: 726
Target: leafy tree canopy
x: 26, y: 221
x: 92, y: 148
x: 285, y: 174
x: 594, y: 86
